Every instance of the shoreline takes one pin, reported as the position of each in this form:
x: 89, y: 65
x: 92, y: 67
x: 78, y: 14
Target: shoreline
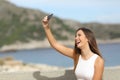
x: 11, y: 65
x: 40, y: 67
x: 113, y: 67
x: 33, y: 44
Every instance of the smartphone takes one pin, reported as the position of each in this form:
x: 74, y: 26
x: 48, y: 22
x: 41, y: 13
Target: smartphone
x: 49, y: 16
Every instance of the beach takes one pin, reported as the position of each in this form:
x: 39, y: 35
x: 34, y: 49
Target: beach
x: 17, y: 70
x: 112, y: 73
x: 65, y: 74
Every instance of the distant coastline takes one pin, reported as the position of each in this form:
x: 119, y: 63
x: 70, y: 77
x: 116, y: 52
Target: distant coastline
x: 108, y: 41
x: 44, y: 44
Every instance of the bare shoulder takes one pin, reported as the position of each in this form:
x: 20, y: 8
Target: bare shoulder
x: 99, y: 68
x: 99, y: 62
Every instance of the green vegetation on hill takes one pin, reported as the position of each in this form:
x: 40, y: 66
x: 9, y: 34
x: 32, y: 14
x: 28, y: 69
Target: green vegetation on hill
x: 22, y: 24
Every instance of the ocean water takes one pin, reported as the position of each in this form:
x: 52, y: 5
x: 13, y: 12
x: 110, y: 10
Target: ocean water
x: 49, y: 56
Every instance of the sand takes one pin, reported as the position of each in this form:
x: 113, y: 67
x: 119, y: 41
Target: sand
x: 111, y: 73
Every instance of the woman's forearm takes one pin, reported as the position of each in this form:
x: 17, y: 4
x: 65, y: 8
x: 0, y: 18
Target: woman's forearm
x: 50, y: 36
x: 60, y: 48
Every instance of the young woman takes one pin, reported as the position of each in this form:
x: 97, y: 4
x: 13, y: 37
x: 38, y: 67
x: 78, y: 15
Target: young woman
x: 88, y: 62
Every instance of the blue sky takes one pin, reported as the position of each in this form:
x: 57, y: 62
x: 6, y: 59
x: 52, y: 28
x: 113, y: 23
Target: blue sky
x: 103, y: 11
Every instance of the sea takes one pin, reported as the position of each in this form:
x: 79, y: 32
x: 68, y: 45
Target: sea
x: 49, y: 56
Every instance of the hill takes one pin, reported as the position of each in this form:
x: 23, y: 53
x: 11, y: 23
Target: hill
x: 23, y: 24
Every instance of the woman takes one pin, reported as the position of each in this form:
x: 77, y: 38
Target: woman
x: 88, y: 62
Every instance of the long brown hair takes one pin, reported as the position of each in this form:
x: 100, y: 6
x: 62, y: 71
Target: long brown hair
x: 91, y: 41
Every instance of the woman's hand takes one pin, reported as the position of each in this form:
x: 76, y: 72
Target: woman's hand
x: 45, y: 22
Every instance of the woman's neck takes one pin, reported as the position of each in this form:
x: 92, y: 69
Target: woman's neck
x: 86, y: 53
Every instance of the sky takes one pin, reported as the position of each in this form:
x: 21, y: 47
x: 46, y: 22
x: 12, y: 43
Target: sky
x: 84, y: 11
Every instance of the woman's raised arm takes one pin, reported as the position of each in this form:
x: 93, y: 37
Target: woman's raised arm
x: 62, y: 49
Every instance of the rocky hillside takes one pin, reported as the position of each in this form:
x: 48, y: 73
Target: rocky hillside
x: 22, y: 24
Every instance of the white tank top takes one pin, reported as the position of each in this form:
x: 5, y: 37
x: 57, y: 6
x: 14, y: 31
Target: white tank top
x: 85, y: 68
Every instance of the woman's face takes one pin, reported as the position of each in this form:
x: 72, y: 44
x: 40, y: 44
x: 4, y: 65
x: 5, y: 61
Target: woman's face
x: 80, y: 39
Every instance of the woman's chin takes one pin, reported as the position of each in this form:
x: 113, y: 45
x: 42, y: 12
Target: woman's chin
x: 78, y: 46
